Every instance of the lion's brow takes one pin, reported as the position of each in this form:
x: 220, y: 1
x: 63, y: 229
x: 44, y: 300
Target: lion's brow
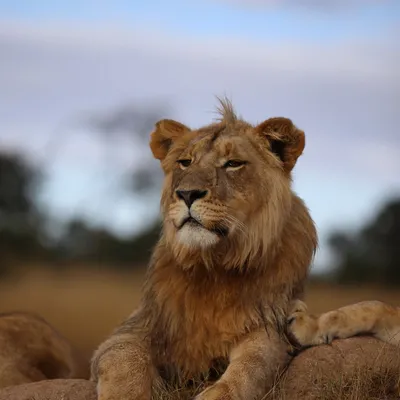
x: 211, y: 136
x: 217, y: 133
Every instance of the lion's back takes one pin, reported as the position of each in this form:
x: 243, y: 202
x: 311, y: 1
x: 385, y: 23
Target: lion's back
x: 32, y: 350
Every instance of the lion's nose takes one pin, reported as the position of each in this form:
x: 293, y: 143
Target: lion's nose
x: 190, y: 196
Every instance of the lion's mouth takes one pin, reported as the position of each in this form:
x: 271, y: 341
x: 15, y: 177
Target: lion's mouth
x: 221, y: 231
x: 191, y: 221
x: 218, y: 230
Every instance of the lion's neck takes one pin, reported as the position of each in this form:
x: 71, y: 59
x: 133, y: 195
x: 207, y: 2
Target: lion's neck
x: 233, y: 257
x: 212, y: 276
x: 281, y: 263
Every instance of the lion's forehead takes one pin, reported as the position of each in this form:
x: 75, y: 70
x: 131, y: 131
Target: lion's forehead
x: 209, y: 148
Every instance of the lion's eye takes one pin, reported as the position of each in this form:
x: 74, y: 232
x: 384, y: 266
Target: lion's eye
x: 184, y: 163
x: 234, y: 164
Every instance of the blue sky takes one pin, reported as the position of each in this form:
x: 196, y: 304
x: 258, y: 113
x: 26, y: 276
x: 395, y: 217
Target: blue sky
x: 215, y: 17
x: 333, y: 67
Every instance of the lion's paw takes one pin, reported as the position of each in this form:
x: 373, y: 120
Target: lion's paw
x: 297, y: 306
x: 218, y: 391
x: 304, y: 327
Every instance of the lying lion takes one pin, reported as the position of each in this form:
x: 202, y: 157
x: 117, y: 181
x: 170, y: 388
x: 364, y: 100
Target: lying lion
x: 31, y: 350
x: 228, y: 271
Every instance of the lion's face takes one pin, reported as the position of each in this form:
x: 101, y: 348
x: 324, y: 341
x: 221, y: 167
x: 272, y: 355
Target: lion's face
x: 226, y: 182
x: 218, y: 181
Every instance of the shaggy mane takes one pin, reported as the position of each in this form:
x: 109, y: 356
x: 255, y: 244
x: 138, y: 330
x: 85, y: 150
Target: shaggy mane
x: 226, y: 111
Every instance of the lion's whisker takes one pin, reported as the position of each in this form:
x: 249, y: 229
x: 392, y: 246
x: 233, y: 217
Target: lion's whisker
x: 238, y: 224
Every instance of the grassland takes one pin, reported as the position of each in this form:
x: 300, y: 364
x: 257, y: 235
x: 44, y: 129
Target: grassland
x: 86, y: 304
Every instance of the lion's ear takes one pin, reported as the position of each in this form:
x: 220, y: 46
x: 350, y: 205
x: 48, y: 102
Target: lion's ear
x: 164, y: 134
x: 286, y: 141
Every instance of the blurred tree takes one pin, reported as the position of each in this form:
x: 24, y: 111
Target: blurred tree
x: 20, y: 221
x: 27, y: 234
x: 132, y: 122
x: 77, y: 242
x: 83, y: 243
x: 373, y: 253
x: 144, y: 243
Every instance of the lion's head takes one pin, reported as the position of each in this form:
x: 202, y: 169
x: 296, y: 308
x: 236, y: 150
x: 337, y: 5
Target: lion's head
x: 227, y: 187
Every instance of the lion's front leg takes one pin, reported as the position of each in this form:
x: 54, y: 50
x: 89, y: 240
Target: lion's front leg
x: 123, y: 365
x: 123, y: 370
x: 253, y: 367
x: 313, y: 330
x: 303, y: 326
x: 367, y: 317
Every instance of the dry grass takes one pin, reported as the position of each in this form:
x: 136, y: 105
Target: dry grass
x: 362, y: 385
x: 324, y: 297
x: 85, y: 305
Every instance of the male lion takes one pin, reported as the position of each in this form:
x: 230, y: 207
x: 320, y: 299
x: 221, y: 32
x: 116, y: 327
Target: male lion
x: 235, y: 249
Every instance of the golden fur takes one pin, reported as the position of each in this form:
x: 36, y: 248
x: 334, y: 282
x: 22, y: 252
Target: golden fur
x: 31, y: 350
x: 234, y: 252
x: 364, y: 318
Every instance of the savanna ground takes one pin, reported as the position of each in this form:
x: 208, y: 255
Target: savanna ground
x: 85, y: 304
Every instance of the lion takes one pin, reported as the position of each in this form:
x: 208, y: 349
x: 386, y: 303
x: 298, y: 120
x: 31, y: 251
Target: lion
x: 31, y: 350
x: 234, y: 252
x: 373, y: 318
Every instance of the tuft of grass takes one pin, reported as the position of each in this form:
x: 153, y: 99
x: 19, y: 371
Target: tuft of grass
x: 176, y: 393
x: 362, y: 385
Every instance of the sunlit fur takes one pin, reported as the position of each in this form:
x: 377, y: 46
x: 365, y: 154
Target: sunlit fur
x: 220, y: 290
x: 366, y: 317
x: 253, y: 202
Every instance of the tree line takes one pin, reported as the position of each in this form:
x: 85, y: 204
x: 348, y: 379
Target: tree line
x: 370, y: 254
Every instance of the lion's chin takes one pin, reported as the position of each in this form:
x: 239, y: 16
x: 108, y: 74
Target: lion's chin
x: 196, y: 236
